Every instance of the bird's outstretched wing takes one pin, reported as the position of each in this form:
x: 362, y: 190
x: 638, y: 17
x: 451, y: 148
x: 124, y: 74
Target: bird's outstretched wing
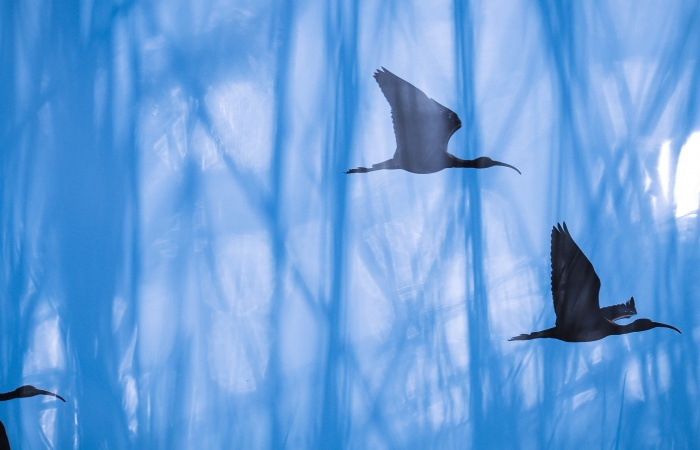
x: 575, y: 285
x: 422, y: 126
x: 621, y: 311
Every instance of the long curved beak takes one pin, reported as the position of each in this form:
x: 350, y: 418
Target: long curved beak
x: 659, y: 324
x: 63, y: 399
x: 51, y: 394
x: 498, y: 163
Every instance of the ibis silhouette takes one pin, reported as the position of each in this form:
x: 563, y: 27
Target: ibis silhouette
x: 422, y: 128
x: 20, y: 392
x: 575, y: 289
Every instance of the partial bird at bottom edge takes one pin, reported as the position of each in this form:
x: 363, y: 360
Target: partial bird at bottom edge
x: 20, y: 392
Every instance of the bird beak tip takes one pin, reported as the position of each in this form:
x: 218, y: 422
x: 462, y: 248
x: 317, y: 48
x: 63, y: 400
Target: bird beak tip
x: 673, y: 328
x: 498, y: 163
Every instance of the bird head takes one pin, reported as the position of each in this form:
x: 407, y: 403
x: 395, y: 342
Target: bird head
x: 484, y: 162
x: 31, y: 391
x: 646, y: 324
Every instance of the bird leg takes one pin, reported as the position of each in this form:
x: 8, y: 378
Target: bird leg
x: 364, y: 169
x: 548, y: 333
x: 389, y: 164
x: 358, y: 170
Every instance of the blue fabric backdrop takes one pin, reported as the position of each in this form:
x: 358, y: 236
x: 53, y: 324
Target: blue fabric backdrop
x: 183, y: 259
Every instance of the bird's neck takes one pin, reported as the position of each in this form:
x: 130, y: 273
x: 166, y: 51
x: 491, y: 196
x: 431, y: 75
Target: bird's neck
x: 4, y: 396
x: 633, y: 327
x: 465, y: 163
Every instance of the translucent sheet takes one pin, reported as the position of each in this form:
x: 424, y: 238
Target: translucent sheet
x: 185, y: 262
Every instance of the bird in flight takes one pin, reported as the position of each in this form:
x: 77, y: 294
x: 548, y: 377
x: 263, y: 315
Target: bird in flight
x: 422, y: 128
x: 575, y: 289
x: 20, y: 392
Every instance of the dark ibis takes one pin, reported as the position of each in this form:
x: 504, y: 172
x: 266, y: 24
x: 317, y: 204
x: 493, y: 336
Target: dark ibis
x: 422, y: 128
x: 20, y: 392
x: 575, y: 290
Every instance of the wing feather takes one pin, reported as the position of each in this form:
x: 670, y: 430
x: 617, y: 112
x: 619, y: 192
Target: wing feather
x: 575, y: 284
x: 621, y: 311
x: 422, y: 126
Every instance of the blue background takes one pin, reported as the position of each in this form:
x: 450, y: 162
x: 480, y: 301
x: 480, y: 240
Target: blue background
x: 183, y: 259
